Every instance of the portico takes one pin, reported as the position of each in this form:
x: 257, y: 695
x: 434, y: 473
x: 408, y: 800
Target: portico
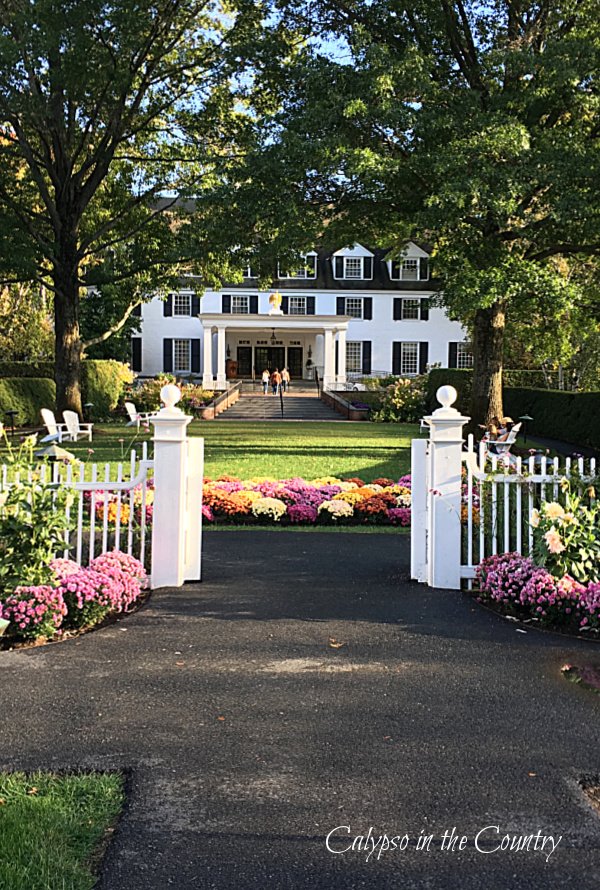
x: 252, y: 342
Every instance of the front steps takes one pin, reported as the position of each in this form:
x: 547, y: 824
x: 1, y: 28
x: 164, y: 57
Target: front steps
x: 253, y: 406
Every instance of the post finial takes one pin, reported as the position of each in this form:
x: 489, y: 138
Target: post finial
x: 446, y: 396
x: 170, y: 395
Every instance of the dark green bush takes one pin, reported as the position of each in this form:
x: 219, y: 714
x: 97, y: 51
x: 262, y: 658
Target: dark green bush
x: 27, y: 369
x: 460, y: 380
x: 26, y: 396
x: 566, y: 416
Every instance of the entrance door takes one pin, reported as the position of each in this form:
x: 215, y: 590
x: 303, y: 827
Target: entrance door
x: 244, y: 360
x: 295, y: 362
x: 270, y: 357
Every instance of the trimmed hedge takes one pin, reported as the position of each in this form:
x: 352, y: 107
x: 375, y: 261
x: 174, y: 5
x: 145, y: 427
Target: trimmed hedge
x: 566, y: 416
x: 103, y: 381
x: 26, y: 396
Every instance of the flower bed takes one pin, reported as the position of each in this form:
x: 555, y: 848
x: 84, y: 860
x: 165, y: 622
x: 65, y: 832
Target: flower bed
x: 76, y: 598
x: 325, y: 501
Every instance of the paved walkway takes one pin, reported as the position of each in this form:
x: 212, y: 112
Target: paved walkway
x: 247, y: 737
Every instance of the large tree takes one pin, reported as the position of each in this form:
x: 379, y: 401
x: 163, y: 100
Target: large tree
x: 104, y: 108
x: 472, y: 126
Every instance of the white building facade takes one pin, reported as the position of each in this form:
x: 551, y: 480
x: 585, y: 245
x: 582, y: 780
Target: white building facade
x: 342, y: 315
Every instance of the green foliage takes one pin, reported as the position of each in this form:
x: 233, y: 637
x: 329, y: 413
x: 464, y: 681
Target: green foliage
x: 26, y: 332
x: 566, y: 416
x: 194, y: 398
x: 461, y: 380
x: 567, y: 536
x: 146, y: 395
x: 403, y: 402
x: 26, y: 396
x: 51, y: 828
x: 27, y: 369
x: 103, y: 384
x: 32, y: 520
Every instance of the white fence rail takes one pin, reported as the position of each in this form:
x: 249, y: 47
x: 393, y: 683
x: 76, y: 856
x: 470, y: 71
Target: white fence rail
x: 467, y: 505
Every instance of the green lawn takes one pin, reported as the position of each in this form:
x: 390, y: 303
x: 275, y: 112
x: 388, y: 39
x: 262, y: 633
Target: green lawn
x: 281, y: 450
x: 53, y: 828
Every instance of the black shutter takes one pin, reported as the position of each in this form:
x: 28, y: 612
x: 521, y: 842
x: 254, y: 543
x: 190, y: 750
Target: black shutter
x: 397, y: 359
x: 423, y: 357
x: 366, y: 357
x: 424, y: 310
x: 310, y: 305
x: 337, y: 358
x: 453, y: 355
x: 340, y: 308
x: 137, y: 311
x: 397, y: 308
x: 226, y: 304
x: 253, y: 304
x: 368, y: 267
x: 168, y: 356
x: 136, y: 354
x: 195, y: 356
x: 368, y: 308
x: 285, y: 305
x: 424, y: 269
x: 338, y: 267
x: 195, y: 304
x: 395, y: 270
x: 168, y: 305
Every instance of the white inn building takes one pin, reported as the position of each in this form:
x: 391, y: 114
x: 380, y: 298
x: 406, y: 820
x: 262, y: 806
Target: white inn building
x: 345, y: 314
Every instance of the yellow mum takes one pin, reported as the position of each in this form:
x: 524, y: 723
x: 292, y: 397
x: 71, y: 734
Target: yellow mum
x: 349, y: 497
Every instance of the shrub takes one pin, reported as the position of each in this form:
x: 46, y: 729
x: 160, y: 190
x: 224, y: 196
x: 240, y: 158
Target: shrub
x: 26, y: 396
x: 403, y: 402
x: 567, y: 538
x: 103, y: 383
x: 34, y: 612
x: 27, y: 369
x: 459, y: 379
x: 570, y: 416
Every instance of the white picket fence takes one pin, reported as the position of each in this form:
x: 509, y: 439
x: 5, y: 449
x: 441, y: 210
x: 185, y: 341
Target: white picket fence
x: 468, y: 504
x: 150, y: 509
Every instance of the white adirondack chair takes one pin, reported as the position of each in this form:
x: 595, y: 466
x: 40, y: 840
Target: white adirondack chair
x: 501, y: 449
x: 75, y: 429
x: 56, y: 431
x: 136, y: 417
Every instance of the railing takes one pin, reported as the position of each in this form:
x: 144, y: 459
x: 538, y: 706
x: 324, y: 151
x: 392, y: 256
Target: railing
x: 499, y: 496
x: 109, y: 511
x: 227, y: 398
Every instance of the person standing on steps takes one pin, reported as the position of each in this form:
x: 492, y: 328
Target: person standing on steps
x: 285, y: 380
x: 265, y: 380
x: 275, y: 381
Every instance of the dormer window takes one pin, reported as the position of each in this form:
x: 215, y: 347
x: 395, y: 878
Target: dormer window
x: 353, y: 264
x: 306, y: 271
x: 412, y: 267
x: 249, y: 272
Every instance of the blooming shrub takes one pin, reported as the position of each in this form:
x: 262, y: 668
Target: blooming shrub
x: 269, y: 508
x: 403, y: 402
x: 34, y: 612
x: 567, y: 538
x: 302, y: 513
x: 335, y: 510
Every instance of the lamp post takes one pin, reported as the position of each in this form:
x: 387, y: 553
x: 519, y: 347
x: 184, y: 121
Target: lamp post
x: 524, y: 419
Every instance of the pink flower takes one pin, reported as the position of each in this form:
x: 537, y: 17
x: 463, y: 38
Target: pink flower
x: 554, y: 541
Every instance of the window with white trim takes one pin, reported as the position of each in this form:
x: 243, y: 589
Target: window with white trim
x: 409, y: 269
x: 409, y: 359
x: 240, y: 304
x: 411, y: 309
x: 354, y: 307
x: 353, y: 267
x: 353, y: 357
x: 181, y: 357
x: 308, y: 270
x: 464, y: 356
x: 182, y: 304
x: 249, y: 272
x: 297, y: 306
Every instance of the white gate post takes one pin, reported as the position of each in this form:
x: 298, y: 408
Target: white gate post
x: 169, y: 513
x: 444, y: 492
x: 418, y: 509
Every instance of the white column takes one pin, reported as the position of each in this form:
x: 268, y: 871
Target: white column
x: 207, y: 367
x: 221, y: 380
x: 328, y: 361
x: 169, y: 511
x: 444, y: 492
x: 341, y: 375
x: 418, y: 509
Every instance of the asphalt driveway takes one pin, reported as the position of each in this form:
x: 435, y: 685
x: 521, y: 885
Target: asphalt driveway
x: 306, y: 688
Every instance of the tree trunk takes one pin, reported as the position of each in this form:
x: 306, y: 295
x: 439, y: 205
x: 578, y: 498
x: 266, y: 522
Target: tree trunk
x: 67, y: 359
x: 488, y: 356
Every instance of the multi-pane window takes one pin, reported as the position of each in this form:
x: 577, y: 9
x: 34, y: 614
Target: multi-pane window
x: 353, y: 357
x: 411, y: 309
x: 249, y: 272
x: 353, y: 267
x: 409, y: 269
x: 182, y: 304
x: 181, y: 356
x: 297, y: 306
x: 308, y: 270
x: 240, y: 304
x: 464, y: 356
x: 409, y: 358
x: 354, y: 307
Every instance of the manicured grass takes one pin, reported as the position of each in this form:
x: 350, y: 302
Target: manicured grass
x: 52, y: 828
x: 280, y: 450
